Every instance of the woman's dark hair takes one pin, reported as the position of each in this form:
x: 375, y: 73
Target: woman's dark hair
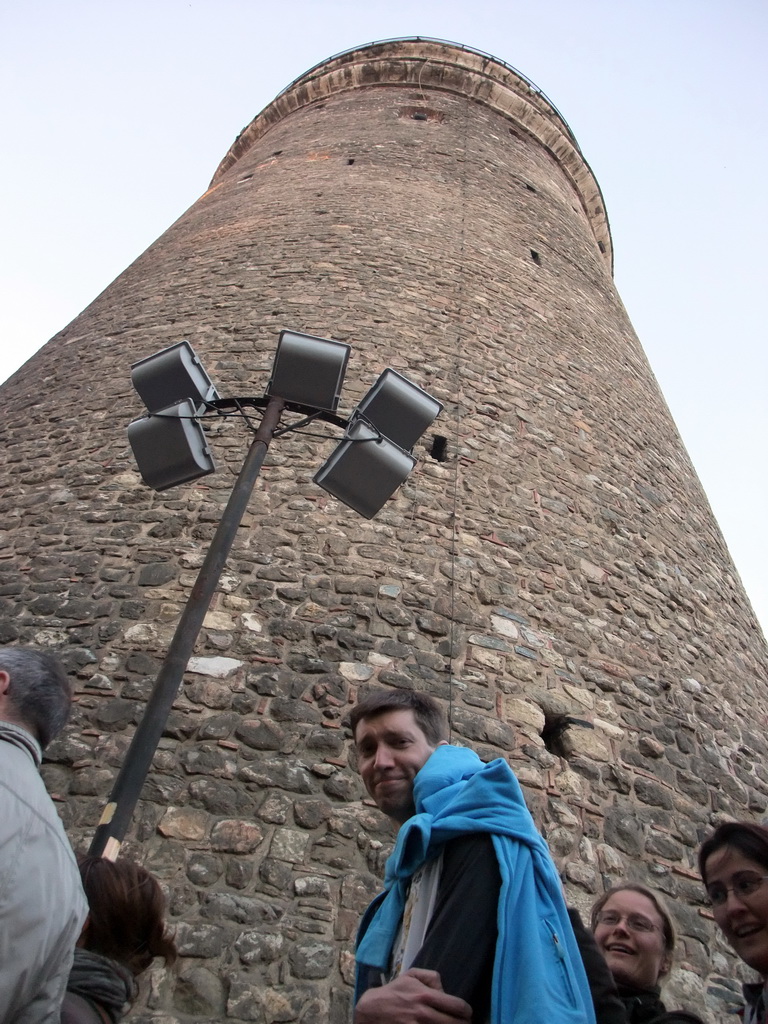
x: 669, y: 933
x: 126, y: 913
x: 749, y: 839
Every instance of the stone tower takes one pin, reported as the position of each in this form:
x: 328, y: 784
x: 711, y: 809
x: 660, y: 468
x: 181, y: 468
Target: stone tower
x: 551, y: 572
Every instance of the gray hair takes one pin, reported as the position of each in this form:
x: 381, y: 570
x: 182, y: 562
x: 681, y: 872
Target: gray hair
x: 39, y: 694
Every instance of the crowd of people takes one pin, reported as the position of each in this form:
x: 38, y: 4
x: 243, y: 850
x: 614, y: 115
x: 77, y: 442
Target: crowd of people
x: 472, y: 925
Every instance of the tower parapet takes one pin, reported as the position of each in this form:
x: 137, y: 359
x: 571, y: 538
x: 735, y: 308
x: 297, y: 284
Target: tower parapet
x: 432, y: 64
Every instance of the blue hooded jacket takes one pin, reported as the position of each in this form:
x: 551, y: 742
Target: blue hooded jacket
x: 538, y: 971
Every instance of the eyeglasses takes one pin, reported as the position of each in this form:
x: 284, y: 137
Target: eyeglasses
x: 743, y: 886
x: 635, y: 922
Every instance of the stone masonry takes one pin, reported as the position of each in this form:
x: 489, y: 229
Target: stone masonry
x: 555, y: 577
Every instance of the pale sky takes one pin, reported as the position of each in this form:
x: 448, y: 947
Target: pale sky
x: 115, y: 115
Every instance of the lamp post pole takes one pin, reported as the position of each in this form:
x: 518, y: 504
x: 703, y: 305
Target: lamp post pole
x: 127, y: 787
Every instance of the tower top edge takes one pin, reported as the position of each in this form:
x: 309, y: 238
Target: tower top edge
x: 428, y: 41
x: 437, y: 64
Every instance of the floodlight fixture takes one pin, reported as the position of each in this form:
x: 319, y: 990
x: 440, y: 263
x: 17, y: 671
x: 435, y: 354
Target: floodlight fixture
x: 308, y: 371
x: 170, y: 447
x: 171, y: 376
x: 399, y: 409
x: 365, y: 469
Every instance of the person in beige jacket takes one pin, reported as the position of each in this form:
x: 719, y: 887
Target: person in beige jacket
x: 42, y: 904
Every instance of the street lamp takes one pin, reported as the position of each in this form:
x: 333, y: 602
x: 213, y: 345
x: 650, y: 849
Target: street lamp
x: 170, y: 448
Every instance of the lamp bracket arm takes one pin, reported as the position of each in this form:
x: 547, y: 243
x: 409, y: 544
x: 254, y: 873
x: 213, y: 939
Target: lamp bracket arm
x: 225, y: 405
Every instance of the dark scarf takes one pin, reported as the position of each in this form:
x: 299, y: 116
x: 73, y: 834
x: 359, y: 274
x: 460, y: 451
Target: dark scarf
x: 641, y: 1004
x: 644, y: 1006
x: 102, y: 981
x: 754, y: 996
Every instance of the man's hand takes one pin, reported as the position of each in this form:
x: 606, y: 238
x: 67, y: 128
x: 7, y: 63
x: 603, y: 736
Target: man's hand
x: 416, y: 997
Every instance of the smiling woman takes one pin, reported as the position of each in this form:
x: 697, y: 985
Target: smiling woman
x: 635, y: 933
x: 733, y: 863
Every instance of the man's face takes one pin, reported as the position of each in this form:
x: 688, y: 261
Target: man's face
x: 391, y: 748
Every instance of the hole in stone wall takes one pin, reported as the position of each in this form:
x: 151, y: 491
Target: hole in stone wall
x: 277, y: 152
x: 530, y: 187
x: 601, y: 246
x: 553, y: 733
x: 245, y: 177
x: 439, y: 450
x: 351, y: 160
x: 421, y: 113
x: 535, y: 257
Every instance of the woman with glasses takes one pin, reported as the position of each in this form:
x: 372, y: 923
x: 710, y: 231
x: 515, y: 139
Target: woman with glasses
x: 733, y: 863
x: 634, y: 931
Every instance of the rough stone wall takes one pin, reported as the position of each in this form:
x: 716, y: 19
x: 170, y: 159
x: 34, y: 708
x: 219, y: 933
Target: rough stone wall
x: 558, y: 581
